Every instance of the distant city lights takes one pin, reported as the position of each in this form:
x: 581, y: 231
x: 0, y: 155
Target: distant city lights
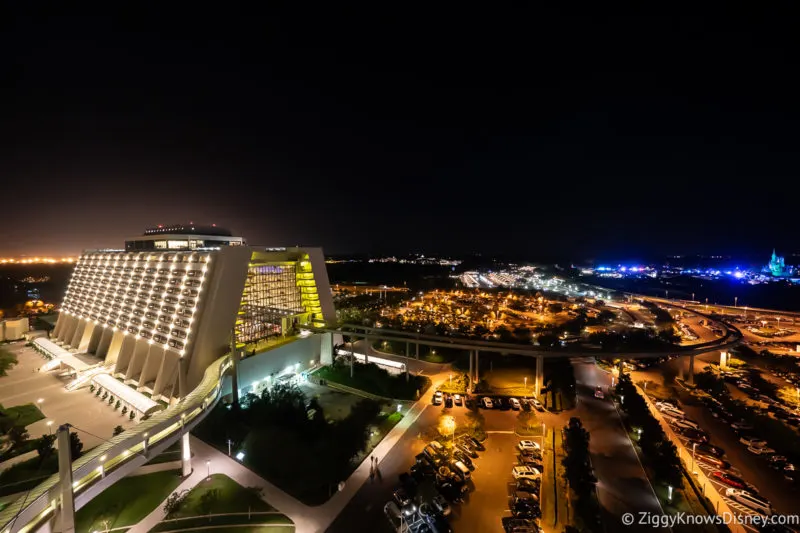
x: 36, y: 260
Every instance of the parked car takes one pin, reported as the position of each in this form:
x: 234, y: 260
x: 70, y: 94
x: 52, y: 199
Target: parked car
x: 392, y: 513
x: 694, y: 435
x: 466, y: 449
x: 423, y: 471
x: 487, y: 403
x: 750, y: 440
x: 526, y: 509
x: 464, y: 458
x: 537, y: 405
x: 526, y: 444
x: 712, y: 461
x: 515, y: 405
x: 460, y: 470
x: 729, y: 479
x: 525, y: 472
x: 711, y: 449
x: 458, y: 399
x: 685, y: 423
x: 530, y: 460
x: 750, y: 500
x: 478, y: 445
x: 402, y: 497
x: 438, y: 397
x: 448, y: 402
x: 500, y: 403
x: 741, y: 426
x: 440, y: 504
x: 598, y: 392
x: 519, y: 525
x: 760, y: 450
x: 529, y: 485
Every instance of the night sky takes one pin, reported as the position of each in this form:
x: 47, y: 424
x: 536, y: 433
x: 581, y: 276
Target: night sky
x: 532, y: 132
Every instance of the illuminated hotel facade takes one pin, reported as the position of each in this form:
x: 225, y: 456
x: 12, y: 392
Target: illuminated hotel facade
x: 158, y: 313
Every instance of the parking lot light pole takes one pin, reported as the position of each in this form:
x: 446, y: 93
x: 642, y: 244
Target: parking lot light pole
x: 694, y: 447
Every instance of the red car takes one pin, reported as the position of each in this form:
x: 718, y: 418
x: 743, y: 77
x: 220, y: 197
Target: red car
x: 730, y: 480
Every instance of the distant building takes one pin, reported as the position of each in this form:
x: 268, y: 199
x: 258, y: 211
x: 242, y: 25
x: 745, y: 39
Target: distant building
x: 13, y: 329
x: 161, y: 311
x: 777, y: 267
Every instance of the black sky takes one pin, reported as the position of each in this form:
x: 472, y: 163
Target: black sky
x: 528, y: 131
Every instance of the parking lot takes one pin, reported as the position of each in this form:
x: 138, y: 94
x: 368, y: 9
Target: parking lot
x: 94, y: 419
x: 752, y: 470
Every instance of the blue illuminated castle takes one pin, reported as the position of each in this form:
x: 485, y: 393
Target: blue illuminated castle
x: 777, y: 267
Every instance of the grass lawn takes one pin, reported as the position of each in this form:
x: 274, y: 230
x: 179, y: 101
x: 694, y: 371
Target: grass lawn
x: 23, y: 415
x: 234, y: 522
x: 375, y: 380
x: 233, y: 498
x: 126, y: 502
x: 7, y: 361
x: 240, y: 529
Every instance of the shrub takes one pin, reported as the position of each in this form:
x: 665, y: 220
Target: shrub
x: 117, y: 405
x: 132, y: 415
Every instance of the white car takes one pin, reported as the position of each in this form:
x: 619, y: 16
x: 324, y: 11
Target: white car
x: 598, y: 392
x: 760, y: 450
x: 487, y: 403
x: 525, y: 472
x: 515, y: 405
x: 525, y: 445
x: 438, y: 397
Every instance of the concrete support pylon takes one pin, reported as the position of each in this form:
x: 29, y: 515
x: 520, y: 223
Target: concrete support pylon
x: 471, y: 375
x: 539, y: 375
x: 723, y: 360
x: 67, y: 516
x: 186, y: 455
x: 235, y: 370
x: 477, y: 366
x: 691, y: 369
x: 417, y: 351
x: 681, y: 364
x: 367, y: 347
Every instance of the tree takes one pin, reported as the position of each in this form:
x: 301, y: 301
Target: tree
x: 75, y: 445
x: 117, y: 405
x: 132, y: 415
x: 17, y: 435
x: 105, y: 395
x: 46, y: 446
x: 111, y: 400
x: 118, y: 430
x: 91, y: 388
x: 124, y: 410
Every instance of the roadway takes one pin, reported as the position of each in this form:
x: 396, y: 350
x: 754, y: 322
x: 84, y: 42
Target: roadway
x: 623, y: 486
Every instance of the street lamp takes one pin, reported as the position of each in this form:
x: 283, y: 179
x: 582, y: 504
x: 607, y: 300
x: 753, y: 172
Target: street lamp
x: 735, y: 301
x: 208, y: 467
x: 451, y: 379
x: 40, y: 401
x: 525, y: 388
x: 50, y: 426
x: 449, y: 424
x: 694, y: 447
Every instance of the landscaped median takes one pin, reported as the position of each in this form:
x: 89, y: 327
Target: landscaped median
x: 126, y: 502
x: 218, y: 501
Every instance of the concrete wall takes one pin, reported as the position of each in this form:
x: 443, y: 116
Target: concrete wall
x: 228, y: 272
x: 280, y: 360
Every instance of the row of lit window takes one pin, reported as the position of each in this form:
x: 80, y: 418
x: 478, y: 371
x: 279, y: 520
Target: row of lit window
x: 143, y: 256
x: 157, y: 331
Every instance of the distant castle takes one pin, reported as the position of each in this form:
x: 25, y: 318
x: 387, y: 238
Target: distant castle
x: 777, y: 267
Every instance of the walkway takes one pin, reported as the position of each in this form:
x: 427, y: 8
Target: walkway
x: 306, y: 519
